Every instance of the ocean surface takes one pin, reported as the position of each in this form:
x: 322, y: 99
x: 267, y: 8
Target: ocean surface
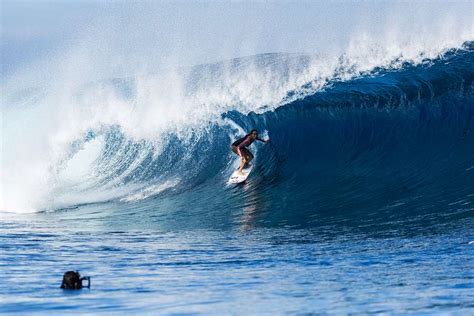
x: 362, y: 202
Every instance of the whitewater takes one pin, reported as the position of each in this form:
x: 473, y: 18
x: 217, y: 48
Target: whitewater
x: 363, y: 201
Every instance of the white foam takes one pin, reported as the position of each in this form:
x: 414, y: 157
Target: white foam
x: 151, y: 190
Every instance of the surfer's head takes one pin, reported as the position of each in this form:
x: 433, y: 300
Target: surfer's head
x: 72, y: 281
x: 254, y: 133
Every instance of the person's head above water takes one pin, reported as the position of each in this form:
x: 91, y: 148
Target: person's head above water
x: 254, y: 133
x: 72, y: 281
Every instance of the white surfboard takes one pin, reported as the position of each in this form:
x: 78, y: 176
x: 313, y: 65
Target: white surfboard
x: 237, y: 177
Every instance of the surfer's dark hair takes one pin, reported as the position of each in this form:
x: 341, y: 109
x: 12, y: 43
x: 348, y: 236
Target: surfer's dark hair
x: 72, y: 281
x: 254, y: 130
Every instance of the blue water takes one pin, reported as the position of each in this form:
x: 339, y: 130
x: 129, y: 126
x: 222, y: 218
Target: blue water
x: 233, y: 271
x: 363, y: 201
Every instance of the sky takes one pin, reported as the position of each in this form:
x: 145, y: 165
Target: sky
x: 153, y: 34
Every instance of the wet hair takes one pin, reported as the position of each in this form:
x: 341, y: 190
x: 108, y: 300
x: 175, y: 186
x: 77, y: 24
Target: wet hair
x: 72, y: 281
x: 254, y: 130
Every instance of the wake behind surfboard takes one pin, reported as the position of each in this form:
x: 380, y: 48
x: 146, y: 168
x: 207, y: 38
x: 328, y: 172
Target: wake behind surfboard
x: 237, y: 177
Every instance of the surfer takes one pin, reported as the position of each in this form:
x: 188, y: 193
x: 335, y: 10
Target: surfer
x: 240, y: 148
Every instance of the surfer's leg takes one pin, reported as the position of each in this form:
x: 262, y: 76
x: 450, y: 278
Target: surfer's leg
x: 234, y: 149
x: 247, y: 155
x: 242, y: 159
x: 250, y: 156
x: 242, y: 165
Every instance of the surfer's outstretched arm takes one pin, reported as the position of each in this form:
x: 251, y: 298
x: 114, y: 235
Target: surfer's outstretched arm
x: 263, y: 140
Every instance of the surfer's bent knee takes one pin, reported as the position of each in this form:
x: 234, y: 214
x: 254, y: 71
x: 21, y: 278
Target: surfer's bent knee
x: 234, y: 149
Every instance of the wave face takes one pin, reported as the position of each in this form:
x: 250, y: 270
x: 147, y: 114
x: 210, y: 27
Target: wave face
x: 380, y: 147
